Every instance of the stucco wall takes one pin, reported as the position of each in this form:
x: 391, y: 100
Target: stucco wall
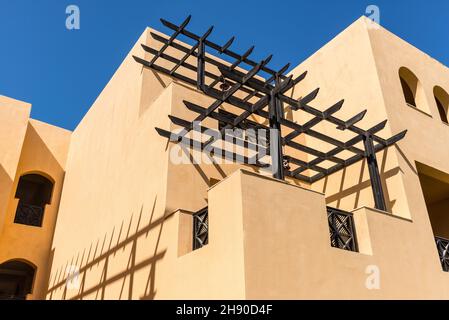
x: 115, y: 221
x: 14, y: 117
x: 427, y: 136
x: 345, y: 69
x: 114, y: 191
x: 44, y: 152
x: 268, y: 239
x: 287, y: 251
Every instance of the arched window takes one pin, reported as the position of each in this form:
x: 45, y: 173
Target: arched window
x: 442, y: 101
x: 410, y: 86
x: 16, y: 280
x: 34, y: 193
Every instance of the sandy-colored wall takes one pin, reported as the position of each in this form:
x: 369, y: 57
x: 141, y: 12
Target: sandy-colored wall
x: 114, y: 193
x: 427, y: 136
x: 345, y: 69
x: 359, y: 67
x: 14, y: 117
x: 118, y: 229
x: 44, y: 152
x: 117, y: 223
x: 301, y: 264
x: 217, y: 270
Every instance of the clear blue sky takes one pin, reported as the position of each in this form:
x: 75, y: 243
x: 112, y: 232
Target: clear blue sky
x: 62, y: 72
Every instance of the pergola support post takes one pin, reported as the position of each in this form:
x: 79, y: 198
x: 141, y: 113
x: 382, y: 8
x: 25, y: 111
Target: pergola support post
x: 277, y: 156
x: 376, y: 182
x: 201, y: 65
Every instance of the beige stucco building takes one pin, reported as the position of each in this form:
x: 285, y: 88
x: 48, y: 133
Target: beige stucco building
x: 107, y: 211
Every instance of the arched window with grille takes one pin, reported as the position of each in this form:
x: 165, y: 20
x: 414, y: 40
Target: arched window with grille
x: 34, y: 192
x: 16, y: 279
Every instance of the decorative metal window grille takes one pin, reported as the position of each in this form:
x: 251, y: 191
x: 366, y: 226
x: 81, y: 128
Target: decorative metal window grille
x: 201, y: 229
x: 342, y: 230
x: 29, y: 215
x: 443, y: 251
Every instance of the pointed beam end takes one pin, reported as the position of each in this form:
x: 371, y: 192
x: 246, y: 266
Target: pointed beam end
x: 402, y: 134
x: 165, y: 22
x: 140, y: 60
x: 336, y: 107
x: 175, y: 27
x: 163, y: 133
x: 284, y: 69
x: 186, y: 21
x: 397, y: 138
x: 300, y: 77
x: 169, y: 135
x: 383, y: 123
x: 189, y: 104
x: 248, y: 52
x: 227, y: 45
x: 267, y: 60
x: 154, y: 35
x: 207, y: 34
x: 311, y: 96
x: 357, y: 118
x: 378, y: 127
x: 173, y: 119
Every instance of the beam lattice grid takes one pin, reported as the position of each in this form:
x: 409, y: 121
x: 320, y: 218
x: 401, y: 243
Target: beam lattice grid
x: 257, y: 91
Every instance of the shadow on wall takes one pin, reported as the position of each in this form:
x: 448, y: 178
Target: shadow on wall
x: 5, y: 179
x: 86, y: 264
x: 39, y: 148
x: 435, y: 188
x: 219, y: 169
x: 363, y: 183
x: 5, y: 190
x: 37, y: 158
